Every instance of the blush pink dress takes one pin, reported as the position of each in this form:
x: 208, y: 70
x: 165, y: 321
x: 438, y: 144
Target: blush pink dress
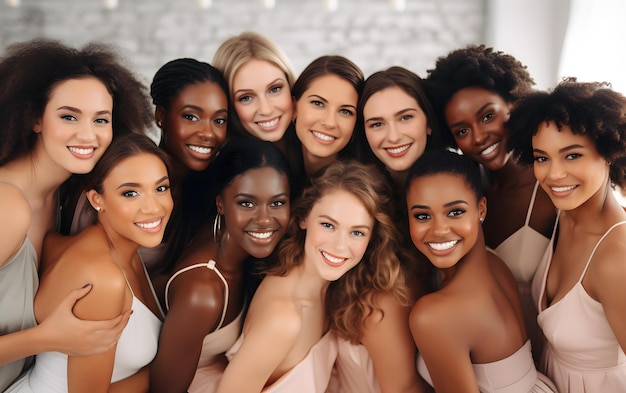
x: 354, y: 370
x: 311, y: 375
x: 582, y: 353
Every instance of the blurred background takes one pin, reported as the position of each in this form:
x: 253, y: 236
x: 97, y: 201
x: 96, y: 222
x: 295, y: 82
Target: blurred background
x: 554, y: 38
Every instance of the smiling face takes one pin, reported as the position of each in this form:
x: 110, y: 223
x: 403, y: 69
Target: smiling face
x: 476, y: 118
x: 338, y: 230
x: 76, y: 126
x: 444, y: 217
x: 194, y: 124
x: 262, y: 99
x: 326, y: 116
x: 568, y: 166
x: 136, y: 202
x: 255, y: 206
x: 396, y: 128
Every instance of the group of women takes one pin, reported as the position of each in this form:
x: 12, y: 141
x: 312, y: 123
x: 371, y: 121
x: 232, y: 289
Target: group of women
x: 325, y: 233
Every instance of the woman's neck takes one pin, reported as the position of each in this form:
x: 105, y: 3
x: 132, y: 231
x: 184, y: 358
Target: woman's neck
x: 511, y: 175
x: 313, y: 164
x: 230, y: 256
x: 597, y: 213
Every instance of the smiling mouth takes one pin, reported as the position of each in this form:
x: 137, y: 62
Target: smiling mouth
x: 81, y: 151
x: 200, y: 149
x: 398, y: 150
x: 269, y: 124
x: 562, y: 189
x: 261, y: 235
x: 323, y: 137
x: 333, y: 259
x: 149, y: 225
x: 443, y: 246
x: 490, y: 149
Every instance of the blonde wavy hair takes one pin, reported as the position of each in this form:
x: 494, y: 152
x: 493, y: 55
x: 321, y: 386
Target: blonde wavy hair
x: 351, y: 298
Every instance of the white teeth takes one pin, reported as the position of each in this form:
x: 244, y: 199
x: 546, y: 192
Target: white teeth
x: 261, y: 235
x: 80, y: 151
x: 443, y: 246
x: 562, y: 189
x: 332, y: 259
x: 490, y: 149
x: 149, y: 225
x: 398, y: 150
x: 200, y: 149
x: 268, y: 124
x: 323, y: 137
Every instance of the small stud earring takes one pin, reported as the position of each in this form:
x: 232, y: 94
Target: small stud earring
x: 481, y: 219
x: 159, y: 124
x: 98, y: 209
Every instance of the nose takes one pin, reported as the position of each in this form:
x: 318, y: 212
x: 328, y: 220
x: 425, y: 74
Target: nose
x: 263, y: 216
x: 440, y: 227
x: 556, y: 170
x: 86, y: 132
x: 393, y: 135
x: 329, y: 120
x: 479, y: 135
x: 265, y: 106
x: 205, y: 131
x: 150, y: 204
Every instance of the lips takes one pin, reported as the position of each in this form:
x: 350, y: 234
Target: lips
x: 201, y: 149
x: 562, y: 189
x: 397, y: 151
x: 490, y: 149
x: 261, y: 235
x: 269, y: 125
x: 150, y: 226
x: 82, y: 152
x: 323, y: 138
x: 332, y: 259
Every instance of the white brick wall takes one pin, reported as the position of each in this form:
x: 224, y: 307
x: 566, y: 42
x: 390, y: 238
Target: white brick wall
x: 151, y: 32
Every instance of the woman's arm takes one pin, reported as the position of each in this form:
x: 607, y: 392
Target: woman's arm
x: 441, y: 343
x: 389, y: 343
x: 62, y: 332
x: 195, y: 308
x: 268, y: 337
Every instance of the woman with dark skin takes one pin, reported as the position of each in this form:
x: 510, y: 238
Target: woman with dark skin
x: 206, y: 295
x: 474, y: 90
x: 470, y: 332
x: 574, y: 139
x: 60, y: 108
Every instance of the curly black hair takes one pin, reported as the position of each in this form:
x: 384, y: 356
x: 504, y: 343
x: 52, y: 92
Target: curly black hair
x: 475, y: 66
x: 592, y: 109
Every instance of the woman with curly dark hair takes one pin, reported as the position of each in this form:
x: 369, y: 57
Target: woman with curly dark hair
x: 575, y: 139
x: 339, y: 251
x: 60, y: 108
x: 473, y: 91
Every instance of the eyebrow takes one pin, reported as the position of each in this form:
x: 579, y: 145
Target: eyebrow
x: 72, y: 109
x: 482, y: 108
x: 336, y: 222
x: 250, y: 196
x: 566, y: 148
x: 459, y: 201
x: 400, y: 112
x: 251, y: 90
x: 161, y: 180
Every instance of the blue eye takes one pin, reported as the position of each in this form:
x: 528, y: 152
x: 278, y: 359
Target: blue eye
x: 358, y: 233
x: 327, y: 225
x: 346, y: 112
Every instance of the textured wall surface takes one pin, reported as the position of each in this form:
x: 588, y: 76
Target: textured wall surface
x: 151, y: 32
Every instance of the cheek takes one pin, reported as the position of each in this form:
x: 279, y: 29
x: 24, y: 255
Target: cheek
x: 244, y: 112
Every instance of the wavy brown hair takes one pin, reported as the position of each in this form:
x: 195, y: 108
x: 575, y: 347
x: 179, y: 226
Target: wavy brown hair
x: 351, y: 298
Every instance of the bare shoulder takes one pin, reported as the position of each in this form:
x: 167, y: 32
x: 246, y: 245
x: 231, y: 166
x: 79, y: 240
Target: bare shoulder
x: 609, y: 262
x: 433, y: 311
x: 278, y: 316
x: 16, y: 214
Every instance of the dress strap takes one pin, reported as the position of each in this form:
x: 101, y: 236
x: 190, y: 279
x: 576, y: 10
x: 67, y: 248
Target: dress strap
x: 152, y: 288
x: 127, y: 283
x: 596, y: 247
x: 209, y: 265
x: 532, y: 204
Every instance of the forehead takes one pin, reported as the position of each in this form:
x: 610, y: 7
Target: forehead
x: 343, y: 206
x: 207, y: 92
x: 256, y: 72
x: 389, y: 99
x: 440, y: 188
x: 84, y: 91
x: 471, y: 99
x: 138, y: 168
x: 266, y: 180
x: 332, y: 87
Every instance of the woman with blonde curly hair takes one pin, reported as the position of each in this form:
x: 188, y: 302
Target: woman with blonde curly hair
x: 260, y: 78
x: 339, y: 242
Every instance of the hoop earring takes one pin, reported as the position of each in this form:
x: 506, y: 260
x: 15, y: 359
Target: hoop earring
x: 217, y: 227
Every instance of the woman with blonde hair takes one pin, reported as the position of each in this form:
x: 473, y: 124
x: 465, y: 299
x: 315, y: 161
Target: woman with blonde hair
x: 260, y: 78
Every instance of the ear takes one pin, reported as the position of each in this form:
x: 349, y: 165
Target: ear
x: 159, y: 115
x: 94, y: 199
x: 482, y: 208
x: 219, y: 203
x: 303, y: 224
x: 429, y: 131
x: 37, y: 127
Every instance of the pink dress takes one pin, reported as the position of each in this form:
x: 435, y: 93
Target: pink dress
x: 311, y: 375
x: 582, y: 353
x: 354, y: 370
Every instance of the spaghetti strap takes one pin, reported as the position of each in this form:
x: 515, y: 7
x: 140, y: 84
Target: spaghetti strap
x: 209, y: 265
x: 532, y: 203
x: 596, y: 247
x: 127, y: 283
